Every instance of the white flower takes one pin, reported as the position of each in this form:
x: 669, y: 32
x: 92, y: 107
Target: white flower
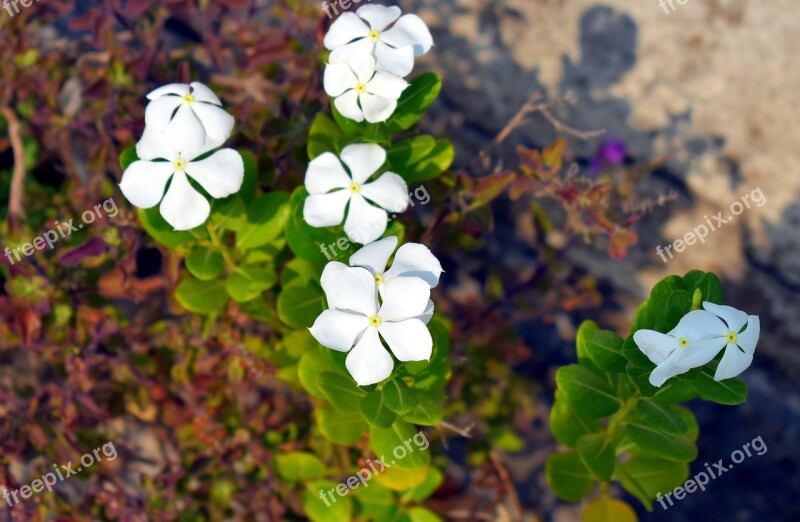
x: 185, y: 117
x: 740, y: 345
x: 361, y: 93
x: 697, y: 339
x: 183, y: 207
x: 331, y: 189
x: 355, y: 317
x: 367, y: 33
x: 412, y: 260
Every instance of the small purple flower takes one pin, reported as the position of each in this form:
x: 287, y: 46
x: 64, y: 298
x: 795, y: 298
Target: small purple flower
x: 611, y: 153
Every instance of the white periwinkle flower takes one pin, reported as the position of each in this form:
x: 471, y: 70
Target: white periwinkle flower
x: 185, y: 115
x: 332, y: 188
x: 355, y: 317
x: 412, y: 260
x: 740, y: 334
x: 697, y: 339
x: 183, y: 207
x: 368, y: 33
x: 362, y: 93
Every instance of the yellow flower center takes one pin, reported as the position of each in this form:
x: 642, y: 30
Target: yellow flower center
x: 375, y: 321
x: 732, y: 337
x: 374, y: 35
x: 179, y: 164
x: 361, y: 88
x: 355, y: 187
x: 379, y: 278
x: 188, y: 98
x: 683, y: 342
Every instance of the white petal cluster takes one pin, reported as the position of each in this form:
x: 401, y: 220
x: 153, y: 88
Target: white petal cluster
x: 334, y: 190
x: 698, y: 338
x: 372, y: 50
x: 370, y: 305
x: 182, y: 123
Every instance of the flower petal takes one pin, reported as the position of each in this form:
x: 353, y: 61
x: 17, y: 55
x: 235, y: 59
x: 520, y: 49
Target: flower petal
x: 379, y: 16
x: 415, y: 260
x: 376, y: 108
x: 409, y: 30
x: 353, y: 290
x: 369, y: 362
x: 338, y: 79
x: 399, y: 62
x: 348, y: 53
x: 699, y: 324
x: 749, y: 338
x: 153, y: 145
x: 655, y: 345
x: 666, y: 370
x: 388, y: 191
x: 404, y: 298
x: 427, y: 315
x: 220, y: 174
x: 409, y: 340
x: 736, y: 319
x: 375, y: 255
x: 217, y: 123
x: 183, y: 207
x: 363, y: 160
x: 700, y: 352
x: 734, y: 362
x: 365, y: 223
x: 387, y: 86
x: 325, y: 173
x: 202, y: 93
x: 363, y: 67
x: 347, y: 105
x: 143, y: 182
x: 325, y: 210
x: 185, y: 132
x: 337, y: 329
x: 178, y: 89
x: 329, y: 274
x: 159, y: 112
x: 345, y: 29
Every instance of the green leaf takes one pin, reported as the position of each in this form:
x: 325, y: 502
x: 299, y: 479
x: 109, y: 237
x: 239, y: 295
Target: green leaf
x: 341, y: 427
x: 311, y: 367
x: 634, y: 354
x: 248, y: 282
x: 347, y: 125
x: 567, y: 476
x: 602, y: 346
x: 670, y: 301
x: 341, y: 391
x: 322, y: 136
x: 645, y: 477
x: 597, y: 454
x: 604, y: 509
x: 652, y: 440
x: 587, y: 393
x: 299, y: 304
x: 160, y: 230
x: 421, y: 158
x: 327, y: 508
x: 403, y: 154
x: 202, y: 297
x: 398, y: 397
x: 375, y: 502
x: 423, y: 514
x: 429, y: 411
x: 127, y: 157
x: 729, y: 391
x: 708, y: 283
x: 229, y: 213
x: 568, y: 426
x: 657, y: 415
x: 423, y: 491
x: 266, y: 219
x: 398, y: 445
x: 414, y: 101
x: 373, y: 408
x: 318, y: 245
x: 205, y: 263
x: 297, y: 465
x: 250, y: 181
